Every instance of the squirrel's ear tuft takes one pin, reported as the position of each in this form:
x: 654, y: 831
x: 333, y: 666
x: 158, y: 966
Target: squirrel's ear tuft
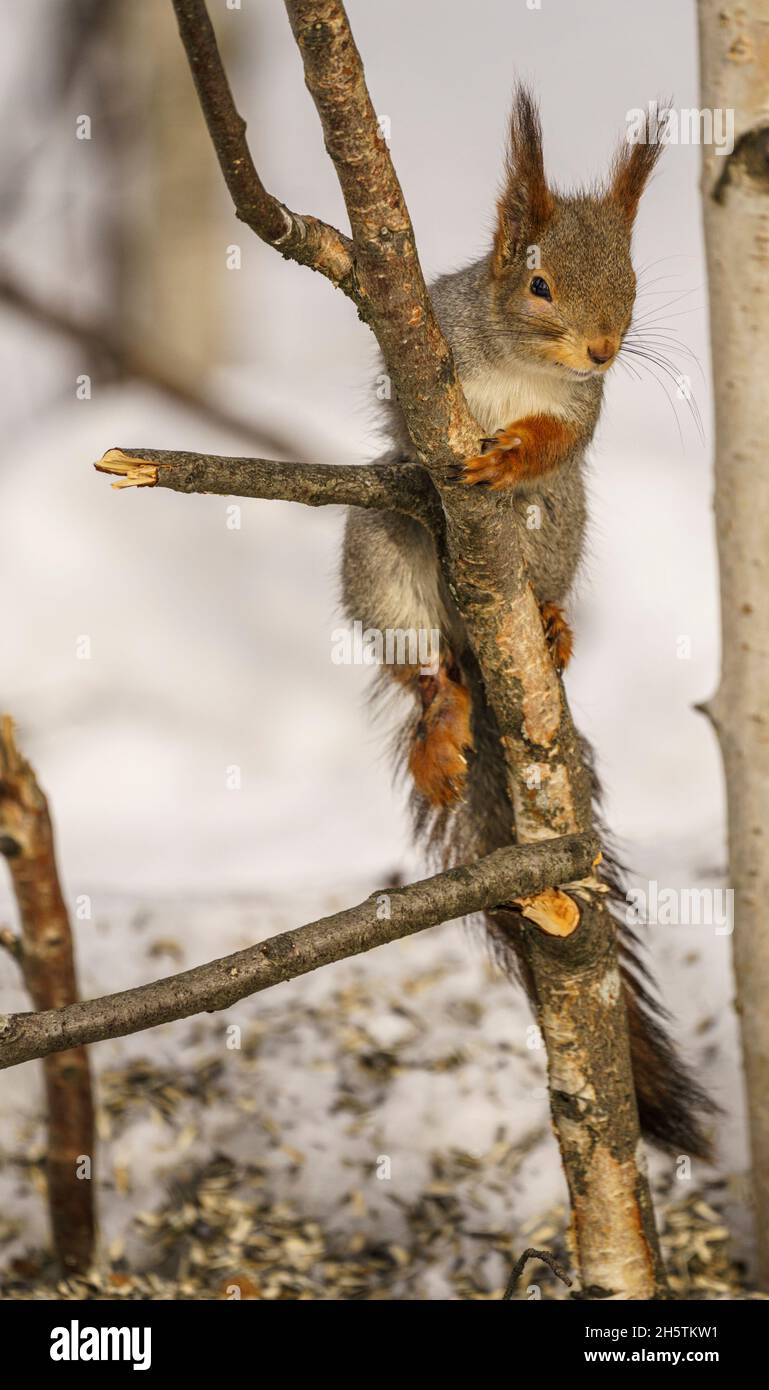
x: 526, y: 202
x: 634, y: 164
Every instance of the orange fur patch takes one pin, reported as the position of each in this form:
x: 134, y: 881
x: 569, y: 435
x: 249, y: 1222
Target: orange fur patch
x: 558, y: 633
x: 437, y: 760
x: 523, y: 451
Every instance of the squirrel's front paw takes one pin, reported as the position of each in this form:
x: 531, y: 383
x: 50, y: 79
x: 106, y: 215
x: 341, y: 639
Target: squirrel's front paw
x: 499, y: 466
x: 522, y: 451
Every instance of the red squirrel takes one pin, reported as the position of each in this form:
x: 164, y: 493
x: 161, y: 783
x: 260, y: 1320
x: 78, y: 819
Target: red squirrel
x: 534, y: 327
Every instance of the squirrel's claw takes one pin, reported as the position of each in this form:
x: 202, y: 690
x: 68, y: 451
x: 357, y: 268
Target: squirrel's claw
x: 497, y: 468
x: 559, y: 635
x: 438, y: 756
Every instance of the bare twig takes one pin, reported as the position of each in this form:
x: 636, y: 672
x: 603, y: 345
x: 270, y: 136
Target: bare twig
x: 393, y: 293
x: 399, y: 487
x: 546, y: 1257
x: 10, y: 940
x: 47, y: 962
x: 304, y: 239
x: 385, y: 916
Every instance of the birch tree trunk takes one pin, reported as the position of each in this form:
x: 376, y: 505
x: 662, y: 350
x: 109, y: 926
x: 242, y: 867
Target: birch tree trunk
x: 734, y: 61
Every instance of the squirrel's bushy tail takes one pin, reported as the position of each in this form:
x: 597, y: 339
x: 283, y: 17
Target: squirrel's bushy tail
x: 671, y: 1103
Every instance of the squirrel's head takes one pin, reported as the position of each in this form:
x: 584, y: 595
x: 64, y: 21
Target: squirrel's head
x: 562, y: 276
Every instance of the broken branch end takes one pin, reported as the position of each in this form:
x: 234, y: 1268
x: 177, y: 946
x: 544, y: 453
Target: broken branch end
x: 130, y: 471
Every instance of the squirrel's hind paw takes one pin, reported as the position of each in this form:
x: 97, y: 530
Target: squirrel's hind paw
x: 437, y: 760
x: 560, y: 638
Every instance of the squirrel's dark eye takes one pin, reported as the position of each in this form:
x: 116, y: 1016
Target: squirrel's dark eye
x: 540, y: 287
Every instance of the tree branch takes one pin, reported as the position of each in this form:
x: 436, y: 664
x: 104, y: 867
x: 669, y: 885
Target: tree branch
x: 304, y: 239
x: 46, y: 956
x: 10, y: 941
x: 508, y: 874
x: 576, y: 980
x: 399, y: 487
x: 547, y: 1257
x: 393, y: 293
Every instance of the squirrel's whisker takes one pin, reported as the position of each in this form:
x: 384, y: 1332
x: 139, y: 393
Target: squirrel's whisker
x: 651, y: 356
x: 663, y: 386
x: 644, y: 287
x: 661, y: 308
x: 664, y: 339
x: 656, y: 354
x: 626, y: 366
x: 675, y: 256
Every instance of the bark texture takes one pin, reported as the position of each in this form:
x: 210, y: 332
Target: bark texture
x: 390, y: 487
x: 46, y: 957
x: 386, y: 916
x: 734, y: 54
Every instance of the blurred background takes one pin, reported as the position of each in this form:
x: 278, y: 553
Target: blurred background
x: 149, y: 646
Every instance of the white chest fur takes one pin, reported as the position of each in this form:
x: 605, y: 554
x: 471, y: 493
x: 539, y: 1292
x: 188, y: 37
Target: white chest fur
x: 498, y: 396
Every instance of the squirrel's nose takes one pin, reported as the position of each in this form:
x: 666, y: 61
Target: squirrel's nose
x: 601, y: 350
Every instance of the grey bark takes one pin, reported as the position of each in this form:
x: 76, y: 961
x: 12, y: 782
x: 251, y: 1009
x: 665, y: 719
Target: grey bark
x: 397, y: 487
x: 388, y: 915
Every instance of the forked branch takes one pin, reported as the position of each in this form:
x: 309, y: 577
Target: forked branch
x: 576, y: 980
x: 305, y: 239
